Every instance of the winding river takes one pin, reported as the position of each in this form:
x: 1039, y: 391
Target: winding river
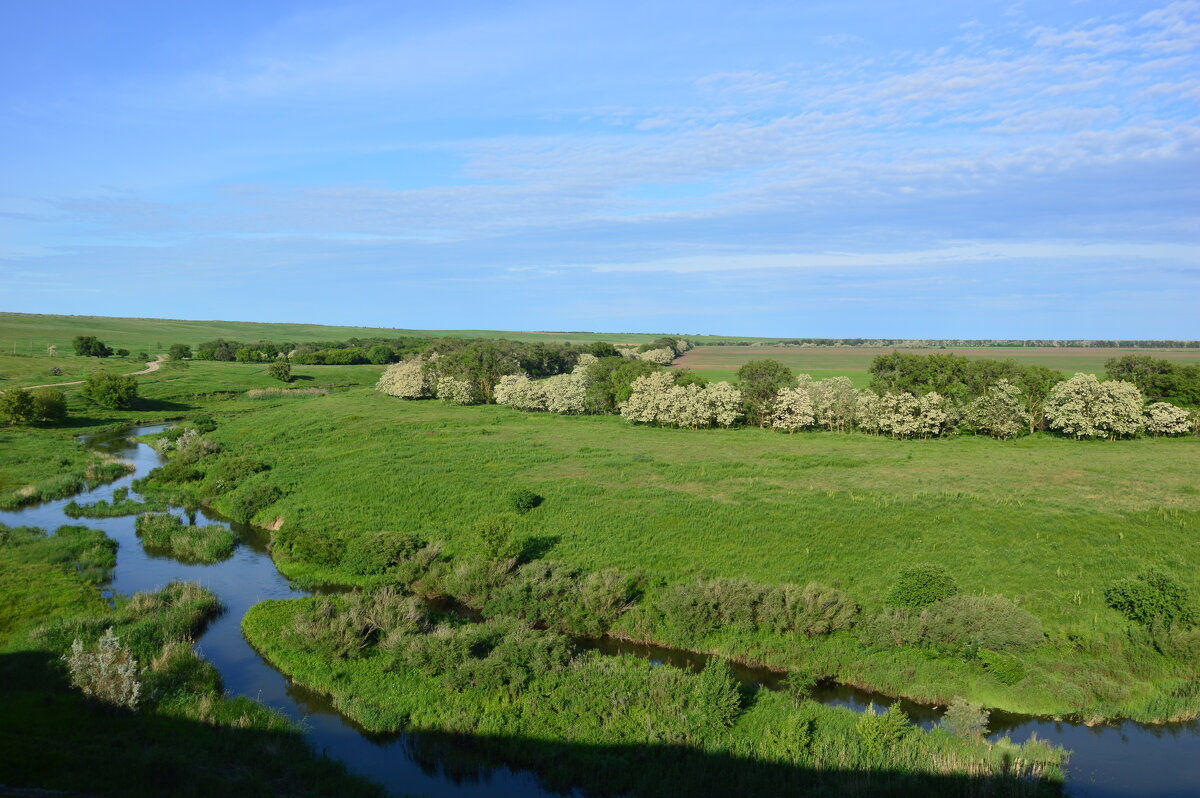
x: 1127, y: 759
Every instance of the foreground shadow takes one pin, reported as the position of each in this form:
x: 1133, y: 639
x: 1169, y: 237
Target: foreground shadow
x: 51, y: 738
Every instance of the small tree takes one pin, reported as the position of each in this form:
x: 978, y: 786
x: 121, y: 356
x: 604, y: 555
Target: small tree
x: 761, y: 383
x: 109, y: 390
x: 90, y: 346
x: 407, y: 380
x: 1163, y: 418
x: 179, y: 351
x: 280, y: 370
x: 16, y: 406
x: 523, y: 500
x: 793, y: 410
x: 122, y: 353
x: 964, y: 719
x: 49, y: 404
x: 52, y: 350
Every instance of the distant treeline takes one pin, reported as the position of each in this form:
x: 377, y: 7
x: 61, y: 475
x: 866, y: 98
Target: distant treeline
x: 934, y: 343
x: 479, y: 355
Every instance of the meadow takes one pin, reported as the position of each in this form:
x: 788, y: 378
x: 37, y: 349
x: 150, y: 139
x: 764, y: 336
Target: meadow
x: 722, y: 362
x: 1047, y: 522
x: 30, y: 334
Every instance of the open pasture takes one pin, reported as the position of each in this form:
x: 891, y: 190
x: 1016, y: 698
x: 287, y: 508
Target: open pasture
x: 722, y: 362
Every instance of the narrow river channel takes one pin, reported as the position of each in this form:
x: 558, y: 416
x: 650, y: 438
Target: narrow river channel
x: 1127, y: 759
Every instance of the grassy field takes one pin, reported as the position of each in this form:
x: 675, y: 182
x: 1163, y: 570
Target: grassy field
x: 22, y: 333
x: 722, y: 362
x: 1044, y: 521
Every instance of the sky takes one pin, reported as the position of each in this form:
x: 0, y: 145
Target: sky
x: 792, y: 169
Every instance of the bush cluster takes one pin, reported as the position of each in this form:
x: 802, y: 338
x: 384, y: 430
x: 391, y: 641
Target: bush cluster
x: 698, y: 608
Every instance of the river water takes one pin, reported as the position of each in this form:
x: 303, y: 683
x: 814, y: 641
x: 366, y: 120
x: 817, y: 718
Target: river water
x: 1127, y: 759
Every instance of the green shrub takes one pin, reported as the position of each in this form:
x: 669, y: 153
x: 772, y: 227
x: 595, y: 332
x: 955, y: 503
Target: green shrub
x: 280, y: 370
x: 967, y: 623
x: 1153, y: 595
x: 920, y: 586
x: 523, y: 500
x: 227, y: 473
x: 49, y: 404
x: 251, y: 497
x: 964, y: 719
x: 499, y: 653
x: 113, y: 391
x: 203, y: 423
x: 497, y: 537
x: 881, y: 732
x: 16, y: 406
x: 690, y: 608
x: 376, y: 552
x: 318, y: 548
x: 1006, y: 670
x: 812, y: 610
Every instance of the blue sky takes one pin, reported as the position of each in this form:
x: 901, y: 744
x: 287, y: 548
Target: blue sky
x: 843, y: 168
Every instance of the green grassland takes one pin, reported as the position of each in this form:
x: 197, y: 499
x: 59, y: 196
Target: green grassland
x: 623, y: 726
x: 1044, y: 521
x: 25, y: 333
x: 722, y: 362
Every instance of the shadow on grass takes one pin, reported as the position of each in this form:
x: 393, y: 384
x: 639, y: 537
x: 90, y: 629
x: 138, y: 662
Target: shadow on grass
x: 664, y: 769
x: 52, y: 738
x: 160, y: 405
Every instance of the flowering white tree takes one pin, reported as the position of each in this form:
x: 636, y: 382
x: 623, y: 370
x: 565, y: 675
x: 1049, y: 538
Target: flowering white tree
x: 1084, y: 407
x: 934, y: 415
x: 663, y: 357
x: 517, y: 390
x: 793, y: 410
x: 899, y: 415
x: 564, y: 393
x: 656, y: 399
x: 999, y: 411
x: 868, y: 412
x: 408, y: 379
x: 834, y: 401
x: 455, y: 391
x: 1164, y: 418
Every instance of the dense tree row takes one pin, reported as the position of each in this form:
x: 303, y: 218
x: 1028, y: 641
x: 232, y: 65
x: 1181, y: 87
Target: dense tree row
x: 1158, y: 379
x: 926, y: 396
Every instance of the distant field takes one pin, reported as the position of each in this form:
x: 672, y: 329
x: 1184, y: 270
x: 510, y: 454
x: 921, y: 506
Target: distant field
x: 722, y: 362
x: 22, y: 333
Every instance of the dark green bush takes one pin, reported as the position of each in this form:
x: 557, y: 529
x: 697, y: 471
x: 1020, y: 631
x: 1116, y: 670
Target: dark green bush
x: 523, y: 500
x: 920, y: 586
x: 251, y: 497
x: 203, y: 423
x: 49, y: 404
x: 113, y: 391
x: 1153, y: 595
x: 318, y: 548
x: 280, y: 370
x: 690, y: 608
x: 376, y: 552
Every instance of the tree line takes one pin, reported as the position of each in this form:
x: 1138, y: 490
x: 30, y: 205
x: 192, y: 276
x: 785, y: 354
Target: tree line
x: 911, y: 396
